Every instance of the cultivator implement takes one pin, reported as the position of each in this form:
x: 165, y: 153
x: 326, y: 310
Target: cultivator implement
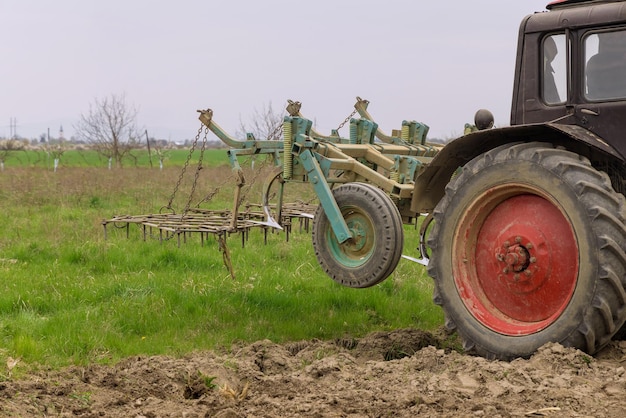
x: 364, y: 184
x: 390, y: 162
x: 167, y: 226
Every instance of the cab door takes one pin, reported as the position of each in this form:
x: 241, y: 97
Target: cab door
x: 541, y: 92
x: 602, y: 105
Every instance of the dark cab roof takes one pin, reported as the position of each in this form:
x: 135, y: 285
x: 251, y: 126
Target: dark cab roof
x: 577, y: 14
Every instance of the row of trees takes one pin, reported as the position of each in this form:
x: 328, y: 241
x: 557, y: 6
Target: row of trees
x: 110, y: 128
x: 7, y: 146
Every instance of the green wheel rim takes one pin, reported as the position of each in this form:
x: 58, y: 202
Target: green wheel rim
x: 359, y: 249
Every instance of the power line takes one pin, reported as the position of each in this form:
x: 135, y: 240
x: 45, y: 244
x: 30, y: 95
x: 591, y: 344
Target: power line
x: 12, y: 128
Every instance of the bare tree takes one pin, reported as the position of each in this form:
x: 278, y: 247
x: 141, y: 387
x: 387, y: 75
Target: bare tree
x: 264, y: 124
x: 162, y: 155
x: 110, y: 126
x: 6, y: 146
x: 56, y: 151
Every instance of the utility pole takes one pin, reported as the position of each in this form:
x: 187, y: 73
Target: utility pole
x: 12, y: 128
x: 149, y: 153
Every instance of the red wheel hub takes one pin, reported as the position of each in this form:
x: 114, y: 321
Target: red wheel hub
x: 516, y: 267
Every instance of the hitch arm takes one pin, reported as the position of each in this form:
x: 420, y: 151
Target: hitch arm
x: 361, y: 107
x: 325, y: 195
x: 250, y: 146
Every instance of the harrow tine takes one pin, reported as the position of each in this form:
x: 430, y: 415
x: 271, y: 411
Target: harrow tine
x: 269, y: 220
x: 423, y: 261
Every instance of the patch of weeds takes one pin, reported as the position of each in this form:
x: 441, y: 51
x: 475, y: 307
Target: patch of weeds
x: 347, y: 343
x: 235, y: 393
x: 502, y: 376
x: 32, y: 251
x: 448, y: 340
x: 321, y: 353
x: 167, y: 258
x: 231, y: 365
x: 396, y: 352
x: 95, y: 202
x: 296, y: 347
x: 76, y: 256
x: 84, y: 398
x: 198, y: 384
x: 208, y: 381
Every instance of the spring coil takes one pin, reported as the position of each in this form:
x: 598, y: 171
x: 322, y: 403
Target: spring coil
x: 353, y: 133
x: 404, y: 134
x: 287, y: 146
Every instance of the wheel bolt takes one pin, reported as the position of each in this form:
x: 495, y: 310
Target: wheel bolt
x: 518, y: 239
x: 533, y: 259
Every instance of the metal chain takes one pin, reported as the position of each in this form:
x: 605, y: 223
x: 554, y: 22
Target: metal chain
x: 209, y: 196
x: 215, y: 191
x: 276, y: 133
x: 182, y: 173
x: 218, y: 188
x: 346, y: 120
x: 195, y: 179
x: 246, y: 190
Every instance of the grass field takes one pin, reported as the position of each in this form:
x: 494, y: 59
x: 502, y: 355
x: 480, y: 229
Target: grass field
x: 73, y: 158
x: 68, y: 296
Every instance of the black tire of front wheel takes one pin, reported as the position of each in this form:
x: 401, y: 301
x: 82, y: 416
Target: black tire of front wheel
x: 344, y: 263
x: 596, y: 213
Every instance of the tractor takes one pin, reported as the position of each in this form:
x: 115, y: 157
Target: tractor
x: 522, y: 227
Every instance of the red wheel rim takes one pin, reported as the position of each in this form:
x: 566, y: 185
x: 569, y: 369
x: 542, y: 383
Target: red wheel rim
x: 515, y: 260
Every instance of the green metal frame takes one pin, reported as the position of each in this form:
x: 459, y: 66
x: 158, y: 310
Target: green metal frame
x: 392, y: 163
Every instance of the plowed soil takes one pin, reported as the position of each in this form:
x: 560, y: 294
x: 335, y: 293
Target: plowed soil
x: 391, y: 374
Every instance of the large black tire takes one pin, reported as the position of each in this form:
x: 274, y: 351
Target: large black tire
x: 528, y: 247
x: 376, y: 247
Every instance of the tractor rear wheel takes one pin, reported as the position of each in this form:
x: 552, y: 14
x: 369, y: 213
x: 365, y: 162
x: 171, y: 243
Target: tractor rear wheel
x: 375, y: 248
x: 528, y: 247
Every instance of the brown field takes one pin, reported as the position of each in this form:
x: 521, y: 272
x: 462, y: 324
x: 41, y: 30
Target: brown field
x: 331, y: 379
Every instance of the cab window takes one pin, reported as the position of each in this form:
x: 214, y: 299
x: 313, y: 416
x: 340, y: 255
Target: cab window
x: 605, y: 65
x: 554, y: 71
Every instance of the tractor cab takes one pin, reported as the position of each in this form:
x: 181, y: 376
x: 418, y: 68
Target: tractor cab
x: 571, y: 68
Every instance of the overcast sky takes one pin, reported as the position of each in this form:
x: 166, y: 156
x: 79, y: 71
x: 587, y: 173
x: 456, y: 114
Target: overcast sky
x: 432, y: 61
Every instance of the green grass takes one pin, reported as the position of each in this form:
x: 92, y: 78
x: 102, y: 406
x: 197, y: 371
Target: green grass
x: 68, y: 296
x: 213, y: 157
